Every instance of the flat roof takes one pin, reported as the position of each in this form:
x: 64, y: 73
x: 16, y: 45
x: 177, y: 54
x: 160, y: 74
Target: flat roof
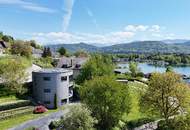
x: 53, y: 70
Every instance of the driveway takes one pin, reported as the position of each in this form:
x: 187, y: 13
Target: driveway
x: 43, y: 122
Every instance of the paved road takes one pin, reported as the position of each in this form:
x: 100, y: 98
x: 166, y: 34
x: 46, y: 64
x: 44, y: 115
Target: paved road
x: 41, y: 123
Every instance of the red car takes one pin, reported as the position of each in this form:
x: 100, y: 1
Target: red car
x: 40, y: 109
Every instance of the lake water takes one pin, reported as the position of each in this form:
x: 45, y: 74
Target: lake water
x: 147, y: 68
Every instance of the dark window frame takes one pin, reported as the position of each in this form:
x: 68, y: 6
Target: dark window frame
x: 47, y: 78
x: 63, y: 78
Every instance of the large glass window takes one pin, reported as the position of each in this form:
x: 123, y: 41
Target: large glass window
x: 47, y: 78
x: 47, y: 90
x: 47, y: 102
x: 64, y: 78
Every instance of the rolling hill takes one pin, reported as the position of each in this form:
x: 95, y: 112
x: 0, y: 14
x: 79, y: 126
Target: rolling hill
x: 133, y: 47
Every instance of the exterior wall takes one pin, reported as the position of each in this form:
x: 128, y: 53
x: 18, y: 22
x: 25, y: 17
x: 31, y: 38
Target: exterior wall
x: 55, y: 85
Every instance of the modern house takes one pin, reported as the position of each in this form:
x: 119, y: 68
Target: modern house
x: 53, y: 87
x: 72, y: 63
x: 3, y: 46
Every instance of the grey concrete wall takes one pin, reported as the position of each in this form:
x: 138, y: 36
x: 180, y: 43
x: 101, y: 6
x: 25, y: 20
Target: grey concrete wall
x: 58, y: 87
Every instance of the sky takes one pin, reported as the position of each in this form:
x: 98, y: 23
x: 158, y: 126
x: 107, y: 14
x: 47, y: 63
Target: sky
x: 104, y: 22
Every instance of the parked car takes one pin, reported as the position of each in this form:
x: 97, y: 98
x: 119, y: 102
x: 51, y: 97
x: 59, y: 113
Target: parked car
x: 40, y: 109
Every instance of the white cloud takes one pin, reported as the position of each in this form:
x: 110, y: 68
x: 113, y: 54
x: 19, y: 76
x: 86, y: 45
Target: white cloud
x: 135, y: 28
x: 155, y: 28
x: 68, y: 9
x: 63, y: 37
x: 28, y: 6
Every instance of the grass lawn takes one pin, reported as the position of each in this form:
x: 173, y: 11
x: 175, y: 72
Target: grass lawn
x: 135, y: 91
x: 5, y: 124
x: 8, y: 99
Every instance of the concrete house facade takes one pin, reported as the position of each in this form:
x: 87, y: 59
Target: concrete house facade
x: 52, y: 85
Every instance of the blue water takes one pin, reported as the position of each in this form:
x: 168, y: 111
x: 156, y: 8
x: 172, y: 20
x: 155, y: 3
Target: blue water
x: 146, y: 68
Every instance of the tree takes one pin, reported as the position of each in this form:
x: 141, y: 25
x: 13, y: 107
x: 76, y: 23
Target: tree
x: 166, y: 95
x: 79, y: 118
x: 107, y: 99
x: 46, y: 52
x: 21, y: 48
x: 62, y: 51
x: 169, y: 69
x: 133, y: 68
x: 97, y: 65
x: 12, y: 72
x: 81, y: 53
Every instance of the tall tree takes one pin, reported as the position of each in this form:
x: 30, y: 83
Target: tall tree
x: 97, y: 65
x: 21, y: 48
x: 133, y: 68
x: 13, y: 74
x: 62, y: 51
x: 107, y: 99
x: 166, y: 95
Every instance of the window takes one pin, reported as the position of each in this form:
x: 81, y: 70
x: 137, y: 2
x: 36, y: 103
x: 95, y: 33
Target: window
x: 70, y: 78
x: 64, y: 78
x: 47, y: 102
x: 47, y: 91
x: 47, y: 78
x: 63, y: 101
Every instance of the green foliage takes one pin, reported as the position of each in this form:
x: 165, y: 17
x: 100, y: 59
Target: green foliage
x: 166, y: 95
x: 21, y: 48
x: 62, y: 51
x: 4, y: 115
x: 33, y: 44
x: 12, y: 72
x: 97, y: 65
x: 139, y: 122
x: 133, y: 68
x: 169, y: 69
x: 46, y: 52
x: 178, y: 123
x: 17, y: 104
x: 79, y: 118
x: 55, y: 101
x: 107, y: 98
x: 81, y: 53
x: 43, y: 62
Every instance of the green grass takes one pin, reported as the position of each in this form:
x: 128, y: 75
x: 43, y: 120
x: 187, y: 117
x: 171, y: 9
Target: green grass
x: 135, y: 91
x: 5, y: 124
x: 8, y: 99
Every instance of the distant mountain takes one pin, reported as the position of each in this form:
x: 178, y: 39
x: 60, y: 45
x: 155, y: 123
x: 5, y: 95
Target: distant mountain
x: 174, y: 41
x: 133, y: 47
x: 75, y: 47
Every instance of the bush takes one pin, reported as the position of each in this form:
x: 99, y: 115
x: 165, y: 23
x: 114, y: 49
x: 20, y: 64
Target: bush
x: 15, y: 112
x: 14, y: 105
x: 54, y: 124
x: 178, y: 123
x: 138, y: 122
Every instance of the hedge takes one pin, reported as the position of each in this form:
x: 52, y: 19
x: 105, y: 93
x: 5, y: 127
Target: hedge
x: 14, y: 105
x: 15, y: 112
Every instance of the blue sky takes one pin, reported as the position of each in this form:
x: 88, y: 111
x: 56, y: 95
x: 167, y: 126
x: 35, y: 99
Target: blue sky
x: 95, y: 21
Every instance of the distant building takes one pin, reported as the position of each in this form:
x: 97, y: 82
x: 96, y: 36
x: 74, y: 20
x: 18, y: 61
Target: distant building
x: 50, y: 85
x: 3, y: 46
x: 37, y: 53
x: 72, y: 63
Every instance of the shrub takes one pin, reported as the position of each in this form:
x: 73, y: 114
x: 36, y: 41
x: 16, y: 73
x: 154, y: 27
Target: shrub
x: 138, y: 122
x: 14, y: 105
x: 178, y: 123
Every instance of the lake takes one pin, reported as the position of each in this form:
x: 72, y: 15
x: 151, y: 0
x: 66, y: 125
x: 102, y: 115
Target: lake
x: 147, y: 68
